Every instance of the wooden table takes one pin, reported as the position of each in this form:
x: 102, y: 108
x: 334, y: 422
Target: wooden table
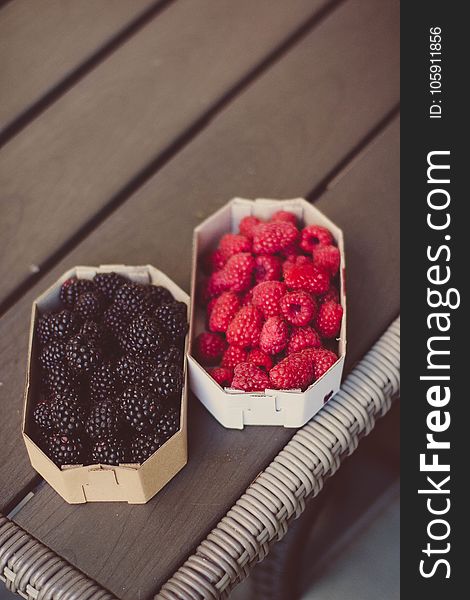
x: 122, y: 125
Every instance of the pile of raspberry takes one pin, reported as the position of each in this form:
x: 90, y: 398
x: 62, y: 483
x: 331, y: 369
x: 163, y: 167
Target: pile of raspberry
x: 110, y: 365
x: 272, y: 302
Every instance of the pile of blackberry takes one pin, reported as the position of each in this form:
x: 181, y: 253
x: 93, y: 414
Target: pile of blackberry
x: 111, y: 371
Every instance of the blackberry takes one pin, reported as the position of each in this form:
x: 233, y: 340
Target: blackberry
x: 144, y: 445
x: 116, y: 321
x: 169, y: 423
x: 42, y: 416
x: 108, y: 451
x: 172, y: 355
x: 139, y: 407
x: 103, y: 420
x: 57, y: 326
x: 89, y: 305
x: 72, y: 288
x: 130, y: 298
x: 144, y: 336
x: 60, y: 379
x: 65, y: 449
x: 133, y: 372
x: 166, y: 381
x: 108, y: 284
x: 103, y: 382
x: 52, y: 354
x: 173, y: 318
x: 92, y: 330
x: 82, y: 354
x: 158, y: 294
x: 67, y: 414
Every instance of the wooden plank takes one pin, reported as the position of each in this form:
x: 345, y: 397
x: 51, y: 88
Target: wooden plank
x: 254, y: 163
x: 41, y: 43
x: 132, y: 550
x: 79, y: 154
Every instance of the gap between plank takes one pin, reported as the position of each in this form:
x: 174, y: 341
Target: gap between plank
x: 180, y: 142
x: 120, y: 38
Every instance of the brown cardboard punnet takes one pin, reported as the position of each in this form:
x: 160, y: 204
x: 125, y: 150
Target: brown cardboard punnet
x: 234, y: 408
x: 99, y: 483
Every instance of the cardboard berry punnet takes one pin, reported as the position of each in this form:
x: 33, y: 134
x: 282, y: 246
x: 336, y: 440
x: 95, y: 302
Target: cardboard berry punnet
x: 234, y: 408
x: 131, y: 483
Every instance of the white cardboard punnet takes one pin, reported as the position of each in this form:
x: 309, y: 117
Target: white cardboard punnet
x: 233, y: 408
x: 99, y: 483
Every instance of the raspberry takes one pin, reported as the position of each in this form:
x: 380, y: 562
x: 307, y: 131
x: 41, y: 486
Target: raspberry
x: 209, y: 348
x: 322, y: 360
x: 270, y: 238
x: 312, y: 235
x: 274, y: 335
x: 247, y: 298
x: 224, y: 310
x: 268, y: 268
x: 298, y: 308
x: 212, y: 262
x: 331, y: 294
x: 213, y: 287
x: 237, y: 274
x: 292, y: 261
x: 301, y: 338
x: 245, y: 328
x: 295, y: 371
x: 266, y: 297
x: 248, y: 224
x: 233, y: 356
x: 327, y: 257
x: 250, y: 378
x: 233, y: 243
x: 328, y: 321
x: 222, y: 375
x: 309, y: 278
x: 284, y: 215
x: 260, y: 359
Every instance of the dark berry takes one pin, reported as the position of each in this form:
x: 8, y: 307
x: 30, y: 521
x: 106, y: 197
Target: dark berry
x: 67, y: 414
x: 103, y: 420
x: 61, y: 379
x: 139, y: 407
x: 89, y: 305
x: 166, y: 380
x: 72, y: 288
x: 172, y: 317
x: 42, y: 416
x: 144, y: 445
x: 130, y: 298
x: 169, y: 423
x: 52, y: 354
x: 144, y: 336
x: 92, y: 330
x: 82, y: 354
x: 116, y: 321
x: 108, y: 284
x: 104, y: 383
x: 158, y: 294
x: 172, y: 355
x: 132, y: 371
x: 57, y: 326
x: 108, y: 451
x: 66, y: 449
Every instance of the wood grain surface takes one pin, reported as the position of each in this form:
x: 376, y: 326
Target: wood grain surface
x: 133, y: 550
x: 41, y: 43
x: 58, y: 172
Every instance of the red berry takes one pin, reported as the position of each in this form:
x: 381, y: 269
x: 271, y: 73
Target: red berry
x: 260, y: 359
x: 233, y: 356
x: 284, y: 215
x: 212, y: 261
x: 292, y: 261
x: 298, y: 308
x: 268, y: 268
x: 237, y: 274
x: 274, y: 335
x: 245, y: 328
x: 309, y: 278
x: 214, y: 286
x: 223, y: 375
x: 247, y: 298
x: 331, y: 294
x: 248, y: 224
x: 328, y: 258
x: 250, y: 378
x: 293, y: 372
x: 266, y: 296
x: 270, y: 238
x: 312, y: 235
x: 328, y: 321
x: 233, y: 243
x: 303, y: 337
x: 209, y: 348
x: 225, y: 308
x: 322, y: 360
